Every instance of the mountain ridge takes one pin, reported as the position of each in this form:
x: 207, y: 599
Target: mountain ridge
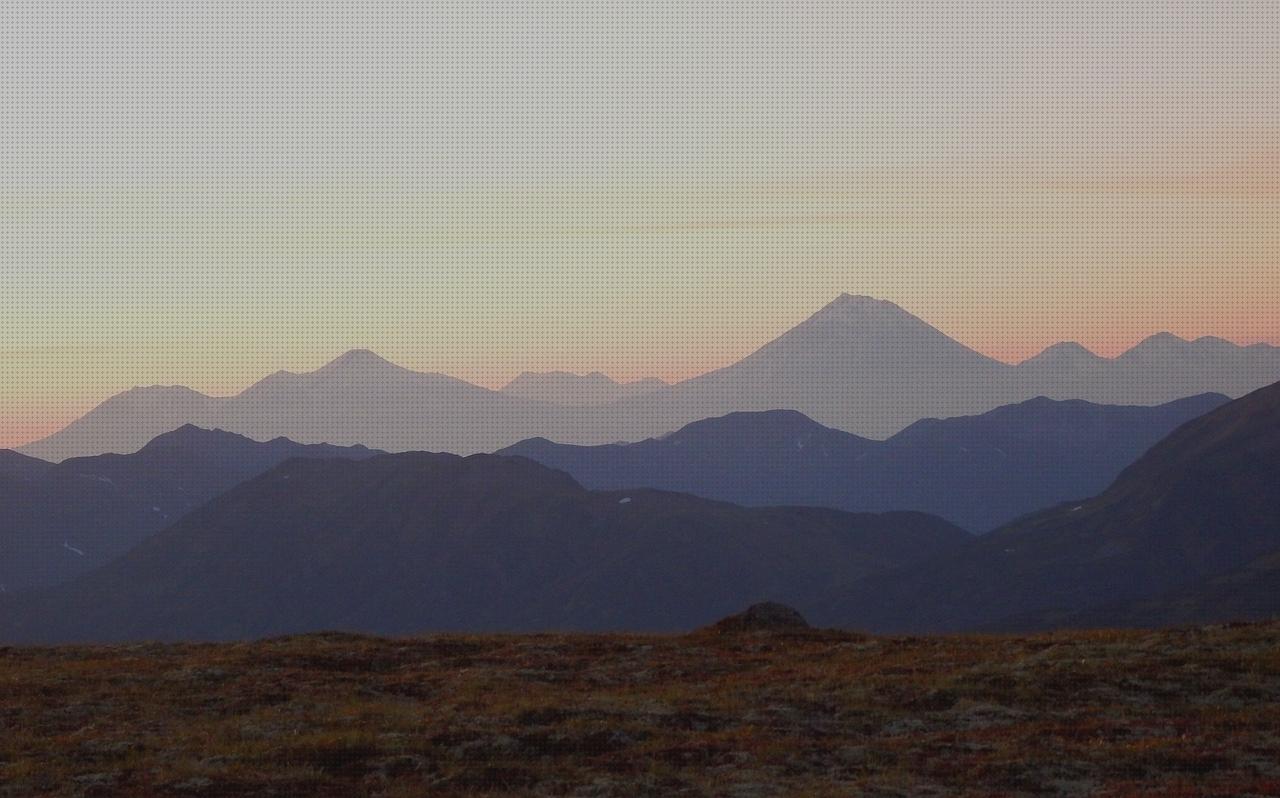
x: 975, y: 471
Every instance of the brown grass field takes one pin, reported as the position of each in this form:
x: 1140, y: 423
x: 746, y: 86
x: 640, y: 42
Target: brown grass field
x: 1189, y: 712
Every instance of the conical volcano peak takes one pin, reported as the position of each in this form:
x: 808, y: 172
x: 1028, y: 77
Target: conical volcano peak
x: 867, y: 345
x: 869, y: 320
x: 866, y: 312
x: 851, y: 303
x: 358, y: 360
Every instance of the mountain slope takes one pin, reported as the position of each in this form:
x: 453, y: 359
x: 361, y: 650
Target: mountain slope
x: 84, y: 511
x: 411, y: 542
x: 976, y: 471
x: 1201, y: 503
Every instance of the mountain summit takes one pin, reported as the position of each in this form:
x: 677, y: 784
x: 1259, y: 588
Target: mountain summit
x: 868, y: 327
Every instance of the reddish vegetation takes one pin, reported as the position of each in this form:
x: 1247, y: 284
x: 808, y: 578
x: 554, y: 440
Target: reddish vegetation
x: 1182, y: 712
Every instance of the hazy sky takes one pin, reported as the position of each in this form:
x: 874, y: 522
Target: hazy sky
x: 202, y: 193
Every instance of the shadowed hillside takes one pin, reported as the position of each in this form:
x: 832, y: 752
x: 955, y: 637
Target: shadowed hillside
x: 418, y: 542
x: 66, y: 519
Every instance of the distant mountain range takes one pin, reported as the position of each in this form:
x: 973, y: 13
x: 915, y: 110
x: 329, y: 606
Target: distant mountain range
x: 976, y: 471
x: 62, y: 520
x: 359, y: 398
x: 861, y: 365
x: 1189, y: 532
x: 577, y: 390
x: 413, y: 542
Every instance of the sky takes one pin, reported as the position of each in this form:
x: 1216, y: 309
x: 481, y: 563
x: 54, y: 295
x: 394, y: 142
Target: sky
x: 202, y: 193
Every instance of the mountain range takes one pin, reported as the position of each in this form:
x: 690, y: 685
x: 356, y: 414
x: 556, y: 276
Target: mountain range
x: 975, y: 471
x: 860, y: 365
x: 1188, y: 532
x: 410, y: 542
x: 401, y: 543
x: 62, y: 520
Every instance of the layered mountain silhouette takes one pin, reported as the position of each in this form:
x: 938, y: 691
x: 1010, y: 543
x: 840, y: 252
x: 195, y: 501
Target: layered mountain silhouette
x: 415, y: 542
x: 65, y: 519
x: 1190, y: 531
x: 577, y: 390
x: 861, y: 365
x: 976, y: 471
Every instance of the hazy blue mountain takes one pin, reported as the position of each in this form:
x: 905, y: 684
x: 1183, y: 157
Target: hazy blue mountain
x: 861, y: 365
x: 1202, y: 504
x: 84, y: 511
x: 976, y: 471
x: 416, y: 542
x: 577, y: 390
